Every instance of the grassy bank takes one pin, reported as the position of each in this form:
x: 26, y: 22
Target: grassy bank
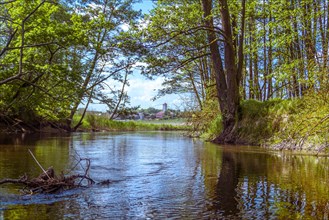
x: 98, y: 123
x: 299, y: 124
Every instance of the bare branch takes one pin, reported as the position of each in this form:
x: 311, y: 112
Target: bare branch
x: 121, y: 95
x: 190, y: 31
x: 35, y: 159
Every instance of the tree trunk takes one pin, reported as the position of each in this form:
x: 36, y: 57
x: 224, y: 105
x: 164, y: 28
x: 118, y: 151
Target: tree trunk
x: 227, y: 81
x: 216, y: 59
x: 120, y: 96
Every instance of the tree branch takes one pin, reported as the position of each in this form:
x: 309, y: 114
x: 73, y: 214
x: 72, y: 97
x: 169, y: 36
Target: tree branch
x: 8, y: 43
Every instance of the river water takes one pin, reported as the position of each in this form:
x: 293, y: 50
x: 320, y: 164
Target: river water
x: 164, y: 175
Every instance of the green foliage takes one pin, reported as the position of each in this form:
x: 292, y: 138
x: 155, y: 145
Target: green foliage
x: 53, y: 56
x: 307, y: 127
x: 44, y: 86
x: 206, y: 123
x: 178, y: 47
x: 214, y: 129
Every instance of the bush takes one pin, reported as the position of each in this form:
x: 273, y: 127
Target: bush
x: 214, y: 129
x: 202, y: 121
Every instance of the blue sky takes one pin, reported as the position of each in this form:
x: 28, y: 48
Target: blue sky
x: 142, y: 90
x: 145, y: 6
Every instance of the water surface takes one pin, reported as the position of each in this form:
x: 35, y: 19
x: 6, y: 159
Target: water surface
x: 161, y: 175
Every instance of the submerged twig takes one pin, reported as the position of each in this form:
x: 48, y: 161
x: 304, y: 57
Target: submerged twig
x: 38, y: 163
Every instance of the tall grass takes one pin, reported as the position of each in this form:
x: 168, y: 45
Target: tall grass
x: 213, y: 129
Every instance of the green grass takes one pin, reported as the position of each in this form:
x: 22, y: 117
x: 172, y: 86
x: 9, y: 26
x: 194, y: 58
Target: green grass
x: 306, y: 126
x: 95, y: 123
x: 259, y: 121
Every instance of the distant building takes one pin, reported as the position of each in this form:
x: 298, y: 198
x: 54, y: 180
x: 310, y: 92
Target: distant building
x: 161, y: 114
x: 164, y: 107
x: 141, y: 115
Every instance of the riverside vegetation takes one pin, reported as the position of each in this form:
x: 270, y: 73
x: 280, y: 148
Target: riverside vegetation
x: 101, y: 123
x: 297, y: 124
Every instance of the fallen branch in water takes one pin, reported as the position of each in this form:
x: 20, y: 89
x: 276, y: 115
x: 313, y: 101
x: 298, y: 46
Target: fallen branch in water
x: 35, y: 159
x: 51, y: 184
x: 23, y: 179
x: 48, y: 182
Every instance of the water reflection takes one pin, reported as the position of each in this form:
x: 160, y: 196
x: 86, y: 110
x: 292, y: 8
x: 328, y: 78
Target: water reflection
x: 15, y: 159
x: 258, y: 185
x: 165, y: 175
x: 225, y: 200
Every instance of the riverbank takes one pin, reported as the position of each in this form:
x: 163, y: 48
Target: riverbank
x: 299, y: 125
x: 101, y: 123
x: 296, y: 125
x: 92, y: 123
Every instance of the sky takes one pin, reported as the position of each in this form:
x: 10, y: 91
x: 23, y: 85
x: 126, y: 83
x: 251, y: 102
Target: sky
x: 144, y: 5
x: 142, y: 90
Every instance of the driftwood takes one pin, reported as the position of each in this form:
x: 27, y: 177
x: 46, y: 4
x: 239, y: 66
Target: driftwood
x: 48, y: 182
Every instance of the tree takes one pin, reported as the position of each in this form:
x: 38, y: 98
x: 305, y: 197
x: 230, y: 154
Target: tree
x: 56, y: 55
x: 228, y: 74
x: 177, y: 49
x: 33, y: 77
x: 106, y: 55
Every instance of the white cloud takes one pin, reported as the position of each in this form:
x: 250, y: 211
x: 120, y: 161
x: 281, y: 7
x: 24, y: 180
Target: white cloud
x: 141, y: 91
x: 125, y: 27
x: 138, y: 64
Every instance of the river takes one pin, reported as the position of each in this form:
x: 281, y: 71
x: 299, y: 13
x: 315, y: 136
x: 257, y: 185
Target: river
x: 164, y: 175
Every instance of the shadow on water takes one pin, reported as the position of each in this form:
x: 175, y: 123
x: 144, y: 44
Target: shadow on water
x: 160, y: 175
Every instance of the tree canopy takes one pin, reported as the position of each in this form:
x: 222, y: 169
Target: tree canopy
x: 57, y: 55
x: 250, y: 49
